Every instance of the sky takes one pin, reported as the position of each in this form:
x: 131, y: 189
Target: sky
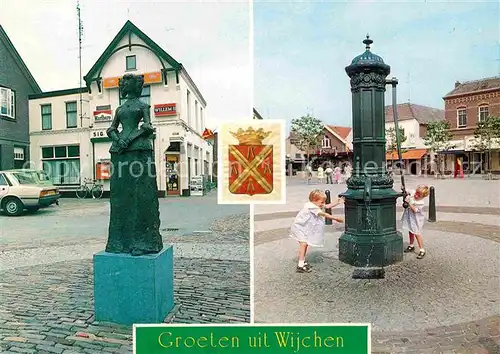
x: 211, y: 40
x: 301, y: 51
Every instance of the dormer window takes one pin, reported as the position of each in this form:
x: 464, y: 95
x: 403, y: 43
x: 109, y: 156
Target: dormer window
x: 131, y: 62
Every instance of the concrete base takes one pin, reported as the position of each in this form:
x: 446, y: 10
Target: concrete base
x: 374, y: 251
x: 130, y: 289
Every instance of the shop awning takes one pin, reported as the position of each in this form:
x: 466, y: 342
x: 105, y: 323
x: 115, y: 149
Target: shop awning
x: 414, y: 154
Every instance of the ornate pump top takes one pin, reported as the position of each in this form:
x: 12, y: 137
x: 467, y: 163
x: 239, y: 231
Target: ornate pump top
x: 367, y: 56
x: 367, y: 59
x: 250, y: 136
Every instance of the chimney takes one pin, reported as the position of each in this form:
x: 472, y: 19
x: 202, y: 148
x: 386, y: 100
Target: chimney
x: 457, y: 83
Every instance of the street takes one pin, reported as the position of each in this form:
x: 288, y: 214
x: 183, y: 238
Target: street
x: 47, y: 284
x: 448, y: 302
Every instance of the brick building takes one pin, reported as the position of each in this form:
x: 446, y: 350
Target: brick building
x: 16, y: 83
x: 467, y: 104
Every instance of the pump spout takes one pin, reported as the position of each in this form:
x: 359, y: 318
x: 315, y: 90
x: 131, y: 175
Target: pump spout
x: 368, y: 189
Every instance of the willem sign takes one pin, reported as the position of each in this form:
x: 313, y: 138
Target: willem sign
x: 166, y: 109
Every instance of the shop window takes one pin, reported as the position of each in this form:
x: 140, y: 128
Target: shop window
x: 71, y: 113
x: 7, y: 102
x: 46, y: 116
x: 62, y: 164
x: 131, y: 62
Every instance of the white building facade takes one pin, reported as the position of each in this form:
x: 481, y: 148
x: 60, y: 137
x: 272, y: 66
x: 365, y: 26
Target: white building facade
x: 76, y: 120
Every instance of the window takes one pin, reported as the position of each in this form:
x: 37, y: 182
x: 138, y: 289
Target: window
x: 62, y: 164
x: 196, y: 115
x: 483, y: 113
x: 71, y: 121
x: 3, y: 180
x: 18, y: 154
x: 462, y: 117
x: 145, y: 95
x: 188, y: 99
x: 46, y: 116
x: 326, y: 142
x: 131, y: 62
x: 201, y: 119
x: 7, y: 103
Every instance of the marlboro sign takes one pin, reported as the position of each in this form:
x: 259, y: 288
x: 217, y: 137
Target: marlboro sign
x: 167, y: 109
x: 103, y: 116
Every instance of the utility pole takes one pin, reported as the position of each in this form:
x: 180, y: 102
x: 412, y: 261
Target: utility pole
x: 80, y: 35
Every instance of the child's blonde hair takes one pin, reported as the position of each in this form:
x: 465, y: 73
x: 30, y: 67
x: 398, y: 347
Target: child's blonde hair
x: 317, y: 195
x: 423, y: 190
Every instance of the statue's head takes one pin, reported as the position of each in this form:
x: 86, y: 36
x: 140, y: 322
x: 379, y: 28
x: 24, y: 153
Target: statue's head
x: 131, y: 85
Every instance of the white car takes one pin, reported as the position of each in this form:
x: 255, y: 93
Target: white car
x: 26, y: 189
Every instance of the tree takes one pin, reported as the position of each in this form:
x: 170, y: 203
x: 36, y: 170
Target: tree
x: 390, y: 137
x: 306, y: 131
x: 438, y: 138
x: 486, y: 136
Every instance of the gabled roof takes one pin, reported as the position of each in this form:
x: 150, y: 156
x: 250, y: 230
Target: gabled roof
x: 24, y: 69
x: 473, y: 86
x: 408, y: 111
x: 130, y: 28
x: 343, y: 132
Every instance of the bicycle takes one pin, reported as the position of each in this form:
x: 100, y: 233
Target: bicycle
x: 96, y: 190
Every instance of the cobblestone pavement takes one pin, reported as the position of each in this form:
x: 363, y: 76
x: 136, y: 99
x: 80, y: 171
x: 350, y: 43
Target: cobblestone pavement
x: 46, y: 286
x: 447, y: 303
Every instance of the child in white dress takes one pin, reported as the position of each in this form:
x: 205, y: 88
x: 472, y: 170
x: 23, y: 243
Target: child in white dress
x: 414, y: 217
x: 308, y: 226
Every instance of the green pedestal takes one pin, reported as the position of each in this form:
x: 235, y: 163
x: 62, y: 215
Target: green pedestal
x: 133, y: 289
x: 371, y: 238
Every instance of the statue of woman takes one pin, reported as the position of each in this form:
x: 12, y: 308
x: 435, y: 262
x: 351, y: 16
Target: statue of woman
x: 134, y: 225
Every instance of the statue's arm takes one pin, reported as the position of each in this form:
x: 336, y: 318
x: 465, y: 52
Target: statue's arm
x: 146, y: 117
x: 112, y: 131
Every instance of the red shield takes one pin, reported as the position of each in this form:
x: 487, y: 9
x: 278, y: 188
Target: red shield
x: 250, y: 169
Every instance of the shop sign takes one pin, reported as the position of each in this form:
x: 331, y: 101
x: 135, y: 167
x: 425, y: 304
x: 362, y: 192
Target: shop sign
x: 102, y: 171
x: 99, y: 134
x: 103, y: 116
x: 166, y: 109
x: 111, y: 82
x: 152, y: 78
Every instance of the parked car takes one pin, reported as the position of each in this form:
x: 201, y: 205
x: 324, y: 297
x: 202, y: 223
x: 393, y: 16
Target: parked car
x: 26, y: 189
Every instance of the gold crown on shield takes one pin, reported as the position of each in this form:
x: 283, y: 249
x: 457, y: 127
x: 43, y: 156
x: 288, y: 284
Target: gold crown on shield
x: 250, y: 136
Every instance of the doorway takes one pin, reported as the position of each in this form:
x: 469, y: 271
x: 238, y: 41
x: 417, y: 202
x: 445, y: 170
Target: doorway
x: 173, y: 173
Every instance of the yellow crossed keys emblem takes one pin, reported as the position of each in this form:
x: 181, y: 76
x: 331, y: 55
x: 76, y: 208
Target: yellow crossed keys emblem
x: 251, y: 174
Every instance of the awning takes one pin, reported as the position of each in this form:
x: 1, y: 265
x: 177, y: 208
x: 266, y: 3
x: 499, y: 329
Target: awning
x: 414, y: 154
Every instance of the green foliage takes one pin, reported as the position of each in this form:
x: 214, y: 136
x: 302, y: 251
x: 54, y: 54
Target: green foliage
x: 438, y: 136
x: 487, y: 135
x: 390, y: 137
x: 306, y: 131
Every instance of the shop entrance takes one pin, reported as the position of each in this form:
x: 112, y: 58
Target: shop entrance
x: 173, y: 173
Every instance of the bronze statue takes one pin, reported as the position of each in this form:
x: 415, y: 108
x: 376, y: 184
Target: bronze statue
x: 134, y: 225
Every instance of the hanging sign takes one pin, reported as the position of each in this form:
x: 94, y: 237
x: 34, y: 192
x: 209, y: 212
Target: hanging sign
x: 103, y: 116
x: 166, y: 109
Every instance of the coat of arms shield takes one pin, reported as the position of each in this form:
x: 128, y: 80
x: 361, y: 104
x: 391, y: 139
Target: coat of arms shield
x: 250, y: 163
